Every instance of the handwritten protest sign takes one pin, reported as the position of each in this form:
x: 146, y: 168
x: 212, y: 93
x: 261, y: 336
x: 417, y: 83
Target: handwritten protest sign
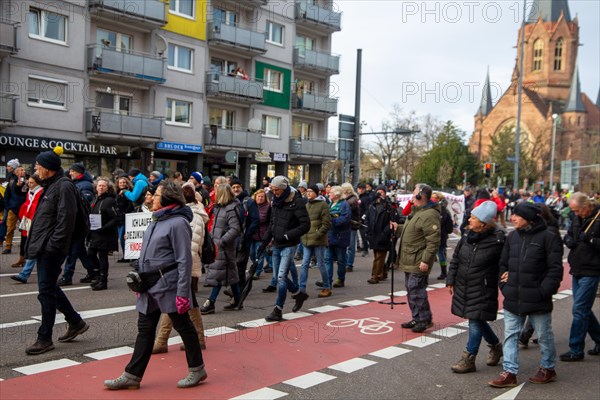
x: 135, y: 227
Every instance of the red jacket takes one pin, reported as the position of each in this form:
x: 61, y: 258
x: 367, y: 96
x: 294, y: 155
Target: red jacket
x: 28, y: 208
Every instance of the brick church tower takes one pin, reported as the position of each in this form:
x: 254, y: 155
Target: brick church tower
x: 550, y: 86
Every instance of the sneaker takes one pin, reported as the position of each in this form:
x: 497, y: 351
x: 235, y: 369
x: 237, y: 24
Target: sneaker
x: 6, y: 251
x: 543, y: 376
x: 269, y: 289
x: 193, y: 378
x: 422, y: 326
x: 255, y: 277
x: 87, y: 279
x: 275, y: 315
x: 39, y: 347
x: 21, y: 280
x: 595, y: 351
x: 409, y: 324
x: 506, y: 379
x: 300, y: 298
x: 64, y: 282
x: 325, y: 293
x: 233, y: 306
x: 208, y: 308
x: 338, y: 283
x: 570, y: 356
x: 74, y: 331
x: 125, y: 381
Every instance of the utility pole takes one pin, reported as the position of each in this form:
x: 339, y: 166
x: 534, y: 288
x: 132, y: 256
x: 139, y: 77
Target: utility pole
x: 555, y: 119
x: 520, y: 93
x: 356, y: 173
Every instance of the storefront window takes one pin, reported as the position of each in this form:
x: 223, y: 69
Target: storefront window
x: 296, y: 174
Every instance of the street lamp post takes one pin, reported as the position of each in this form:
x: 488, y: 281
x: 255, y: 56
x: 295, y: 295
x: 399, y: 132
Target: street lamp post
x: 555, y: 119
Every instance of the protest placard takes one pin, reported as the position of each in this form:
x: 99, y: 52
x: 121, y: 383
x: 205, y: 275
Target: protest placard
x: 135, y: 227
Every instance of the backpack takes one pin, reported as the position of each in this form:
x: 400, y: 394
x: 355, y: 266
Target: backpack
x: 209, y: 249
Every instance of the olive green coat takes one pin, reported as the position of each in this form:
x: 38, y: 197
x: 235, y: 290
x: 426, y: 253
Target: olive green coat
x: 320, y: 222
x: 420, y: 239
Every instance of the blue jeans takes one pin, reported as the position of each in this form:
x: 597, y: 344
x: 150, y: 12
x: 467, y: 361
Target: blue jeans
x: 351, y: 253
x: 51, y: 296
x: 335, y: 253
x: 512, y: 328
x: 121, y: 233
x: 480, y: 329
x: 27, y: 269
x: 275, y: 266
x: 78, y: 250
x: 319, y: 252
x: 283, y: 260
x: 584, y: 320
x: 214, y: 293
x: 264, y: 256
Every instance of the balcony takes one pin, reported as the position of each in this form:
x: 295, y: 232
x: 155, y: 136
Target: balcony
x: 106, y: 124
x: 8, y: 105
x: 242, y: 40
x: 316, y: 105
x: 320, y: 18
x: 312, y: 149
x: 216, y: 137
x: 316, y: 61
x: 233, y: 88
x: 9, y: 37
x: 145, y: 14
x: 130, y: 66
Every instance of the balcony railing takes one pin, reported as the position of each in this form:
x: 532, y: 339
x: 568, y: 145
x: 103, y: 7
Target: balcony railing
x: 129, y: 64
x: 232, y: 87
x: 312, y: 148
x: 228, y: 35
x: 9, y: 37
x: 145, y: 11
x: 140, y: 127
x: 8, y: 106
x: 314, y: 104
x: 310, y: 59
x: 320, y: 16
x: 215, y: 136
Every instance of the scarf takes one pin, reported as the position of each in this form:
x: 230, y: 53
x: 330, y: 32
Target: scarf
x: 156, y: 215
x: 279, y: 201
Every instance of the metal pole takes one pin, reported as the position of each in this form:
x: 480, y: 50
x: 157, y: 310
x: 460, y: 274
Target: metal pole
x: 356, y: 173
x: 554, y: 122
x: 520, y: 92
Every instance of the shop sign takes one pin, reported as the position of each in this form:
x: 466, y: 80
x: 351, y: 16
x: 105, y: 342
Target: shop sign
x: 280, y: 157
x: 185, y: 147
x: 262, y: 156
x: 40, y: 144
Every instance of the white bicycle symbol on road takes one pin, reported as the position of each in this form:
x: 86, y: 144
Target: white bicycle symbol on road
x: 368, y: 326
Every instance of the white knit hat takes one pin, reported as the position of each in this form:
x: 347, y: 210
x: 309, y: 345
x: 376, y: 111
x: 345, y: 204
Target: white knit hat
x: 485, y: 212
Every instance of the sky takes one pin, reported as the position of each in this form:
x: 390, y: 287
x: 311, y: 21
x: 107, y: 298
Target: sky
x: 432, y: 56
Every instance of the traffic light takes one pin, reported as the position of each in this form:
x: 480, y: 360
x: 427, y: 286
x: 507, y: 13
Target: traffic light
x: 351, y: 168
x: 487, y: 169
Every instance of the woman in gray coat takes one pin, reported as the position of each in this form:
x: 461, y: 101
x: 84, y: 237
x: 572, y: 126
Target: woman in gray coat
x: 166, y: 250
x: 225, y: 230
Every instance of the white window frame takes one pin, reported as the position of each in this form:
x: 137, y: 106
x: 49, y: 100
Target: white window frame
x: 266, y: 132
x: 173, y: 107
x: 42, y: 18
x: 306, y: 130
x: 270, y: 77
x: 175, y: 67
x: 179, y: 13
x: 116, y: 107
x: 39, y: 102
x: 270, y: 28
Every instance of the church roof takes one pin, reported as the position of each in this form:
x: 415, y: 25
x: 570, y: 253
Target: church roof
x: 574, y: 102
x: 598, y: 99
x: 549, y: 10
x: 486, y: 98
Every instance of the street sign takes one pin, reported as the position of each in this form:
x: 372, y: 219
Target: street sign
x: 346, y: 138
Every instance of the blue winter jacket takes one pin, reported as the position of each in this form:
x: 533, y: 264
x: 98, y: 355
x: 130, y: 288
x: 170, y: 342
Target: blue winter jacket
x: 140, y: 182
x: 339, y: 233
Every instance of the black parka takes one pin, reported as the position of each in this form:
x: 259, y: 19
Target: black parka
x: 584, y: 257
x: 289, y: 221
x: 107, y: 237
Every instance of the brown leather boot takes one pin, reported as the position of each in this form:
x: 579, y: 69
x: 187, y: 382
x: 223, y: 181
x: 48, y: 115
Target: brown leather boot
x: 495, y: 354
x: 465, y: 364
x: 20, y: 263
x: 196, y: 318
x: 165, y: 326
x: 504, y: 380
x: 543, y: 376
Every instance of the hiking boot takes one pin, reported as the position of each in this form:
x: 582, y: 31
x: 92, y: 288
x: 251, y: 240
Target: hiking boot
x: 275, y: 315
x: 409, y: 325
x: 570, y: 356
x: 373, y: 281
x: 125, y: 381
x: 88, y: 278
x: 338, y: 283
x: 100, y: 285
x: 193, y: 378
x: 269, y: 289
x: 19, y: 279
x: 595, y: 351
x: 74, y: 331
x: 20, y: 263
x: 543, y: 376
x: 465, y: 364
x: 160, y: 348
x: 504, y: 380
x: 64, y: 282
x: 300, y: 298
x: 39, y: 347
x: 325, y: 293
x: 422, y: 326
x: 208, y: 307
x: 495, y: 354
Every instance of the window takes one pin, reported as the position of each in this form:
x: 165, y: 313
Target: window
x: 222, y: 118
x: 45, y: 92
x: 274, y: 33
x: 558, y: 53
x: 221, y: 67
x: 178, y: 112
x: 113, y: 40
x: 48, y: 26
x: 273, y: 80
x: 271, y: 126
x: 180, y: 58
x: 116, y: 103
x: 182, y: 7
x: 304, y: 43
x: 538, y: 50
x: 221, y: 16
x: 302, y: 130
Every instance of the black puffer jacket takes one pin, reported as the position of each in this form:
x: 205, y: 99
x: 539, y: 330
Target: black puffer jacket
x: 354, y: 212
x: 107, y: 237
x: 584, y: 256
x: 533, y: 259
x: 378, y: 219
x: 53, y: 225
x: 474, y: 274
x: 289, y: 221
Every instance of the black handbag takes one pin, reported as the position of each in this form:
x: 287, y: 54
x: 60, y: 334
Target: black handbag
x: 141, y: 282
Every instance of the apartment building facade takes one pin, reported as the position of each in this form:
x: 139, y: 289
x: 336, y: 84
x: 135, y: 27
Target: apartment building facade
x: 177, y: 86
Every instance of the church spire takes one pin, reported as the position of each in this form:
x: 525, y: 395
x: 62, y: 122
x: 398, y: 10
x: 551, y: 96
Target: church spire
x: 486, y: 98
x: 549, y: 10
x: 574, y: 102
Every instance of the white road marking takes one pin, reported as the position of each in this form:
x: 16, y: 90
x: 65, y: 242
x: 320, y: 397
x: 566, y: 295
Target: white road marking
x: 60, y: 318
x: 255, y: 323
x: 421, y: 341
x: 568, y: 291
x: 353, y: 303
x: 220, y: 330
x: 352, y: 365
x: 511, y: 394
x: 309, y: 380
x: 19, y: 323
x: 324, y: 309
x: 438, y: 285
x: 464, y: 324
x: 36, y: 292
x: 390, y: 352
x: 174, y: 340
x: 46, y: 366
x: 261, y: 394
x: 560, y: 296
x: 401, y: 293
x: 14, y: 273
x: 295, y: 315
x: 378, y: 298
x: 117, y: 351
x: 448, y: 332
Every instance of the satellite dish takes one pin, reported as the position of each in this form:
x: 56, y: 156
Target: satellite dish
x: 231, y: 156
x: 254, y: 124
x: 161, y: 44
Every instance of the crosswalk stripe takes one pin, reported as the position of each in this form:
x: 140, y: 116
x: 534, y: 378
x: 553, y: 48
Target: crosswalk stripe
x: 352, y: 365
x: 309, y: 380
x: 46, y: 366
